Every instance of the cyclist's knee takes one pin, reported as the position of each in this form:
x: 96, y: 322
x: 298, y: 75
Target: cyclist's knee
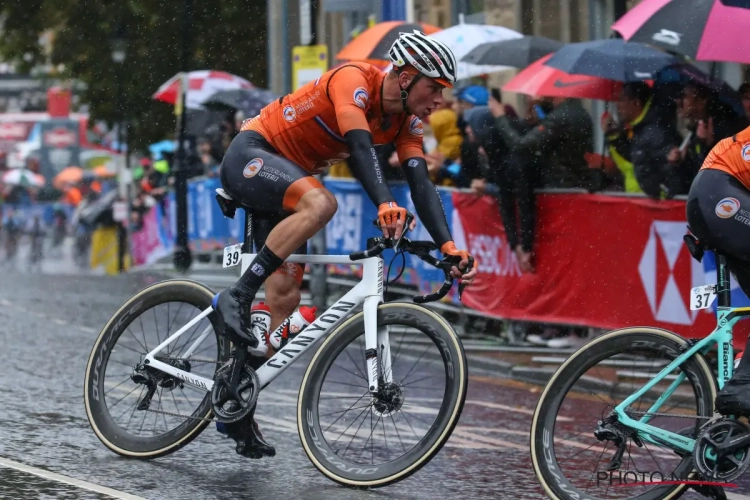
x: 319, y: 203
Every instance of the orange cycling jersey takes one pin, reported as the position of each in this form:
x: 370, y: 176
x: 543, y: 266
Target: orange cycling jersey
x: 308, y: 125
x: 732, y: 155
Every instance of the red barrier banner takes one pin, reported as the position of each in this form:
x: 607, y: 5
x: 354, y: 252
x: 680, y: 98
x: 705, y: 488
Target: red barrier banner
x: 602, y: 261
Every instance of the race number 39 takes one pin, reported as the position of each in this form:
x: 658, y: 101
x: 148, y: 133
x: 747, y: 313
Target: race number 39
x: 701, y: 297
x: 232, y: 255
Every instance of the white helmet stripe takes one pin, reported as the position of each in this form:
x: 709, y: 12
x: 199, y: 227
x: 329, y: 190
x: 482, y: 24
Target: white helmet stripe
x: 428, y: 56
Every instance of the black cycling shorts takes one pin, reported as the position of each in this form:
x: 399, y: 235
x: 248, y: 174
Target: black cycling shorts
x: 265, y: 183
x: 718, y: 211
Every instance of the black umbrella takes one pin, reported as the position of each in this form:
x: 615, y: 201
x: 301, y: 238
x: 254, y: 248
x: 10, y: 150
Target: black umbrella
x: 613, y: 59
x: 249, y: 101
x: 518, y: 52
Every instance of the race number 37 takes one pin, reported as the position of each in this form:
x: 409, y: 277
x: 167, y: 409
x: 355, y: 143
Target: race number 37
x: 701, y: 297
x: 232, y: 255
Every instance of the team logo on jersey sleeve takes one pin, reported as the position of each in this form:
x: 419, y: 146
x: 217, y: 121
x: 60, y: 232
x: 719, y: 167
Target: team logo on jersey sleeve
x: 290, y: 114
x: 415, y: 126
x: 746, y: 152
x: 361, y: 97
x: 253, y: 167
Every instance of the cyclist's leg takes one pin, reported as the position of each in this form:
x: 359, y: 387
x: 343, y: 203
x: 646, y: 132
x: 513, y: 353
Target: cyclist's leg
x: 258, y: 178
x: 283, y: 286
x: 718, y: 211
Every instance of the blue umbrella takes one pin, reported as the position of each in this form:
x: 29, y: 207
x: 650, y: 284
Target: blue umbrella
x: 613, y: 59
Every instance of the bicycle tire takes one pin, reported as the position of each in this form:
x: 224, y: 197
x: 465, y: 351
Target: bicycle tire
x: 308, y: 424
x: 547, y: 470
x: 108, y: 432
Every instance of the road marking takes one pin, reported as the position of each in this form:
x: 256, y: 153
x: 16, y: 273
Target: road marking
x: 10, y: 464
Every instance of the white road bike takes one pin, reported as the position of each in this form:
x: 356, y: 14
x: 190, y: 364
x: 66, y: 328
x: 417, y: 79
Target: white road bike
x: 388, y: 381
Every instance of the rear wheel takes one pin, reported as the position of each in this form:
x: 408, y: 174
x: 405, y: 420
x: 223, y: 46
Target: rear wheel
x: 178, y: 412
x: 410, y: 418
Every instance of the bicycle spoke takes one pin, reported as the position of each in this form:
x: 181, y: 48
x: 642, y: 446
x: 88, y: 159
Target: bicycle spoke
x: 145, y: 350
x: 177, y: 315
x: 143, y: 332
x: 352, y: 406
x: 343, y: 411
x: 416, y: 362
x: 126, y: 395
x: 158, y: 337
x: 347, y: 428
x: 398, y: 434
x: 118, y: 385
x: 351, y: 372
x: 355, y: 364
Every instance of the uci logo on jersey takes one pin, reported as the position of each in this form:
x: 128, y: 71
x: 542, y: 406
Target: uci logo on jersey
x: 361, y: 97
x: 415, y: 126
x: 746, y: 152
x: 253, y: 167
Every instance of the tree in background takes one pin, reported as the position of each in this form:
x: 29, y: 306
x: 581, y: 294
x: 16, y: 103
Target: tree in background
x: 226, y: 35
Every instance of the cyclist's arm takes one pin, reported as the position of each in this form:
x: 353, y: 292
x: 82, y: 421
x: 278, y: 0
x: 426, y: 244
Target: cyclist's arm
x: 348, y: 90
x: 423, y: 191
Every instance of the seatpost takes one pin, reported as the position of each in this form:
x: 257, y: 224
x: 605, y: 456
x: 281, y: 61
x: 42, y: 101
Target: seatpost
x: 247, y: 243
x: 722, y: 282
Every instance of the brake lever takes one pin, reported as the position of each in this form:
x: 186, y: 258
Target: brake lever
x: 462, y: 285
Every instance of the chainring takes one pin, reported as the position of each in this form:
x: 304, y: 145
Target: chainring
x: 726, y: 468
x: 230, y: 406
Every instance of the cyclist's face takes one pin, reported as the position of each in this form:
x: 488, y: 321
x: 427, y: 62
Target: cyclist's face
x: 425, y: 97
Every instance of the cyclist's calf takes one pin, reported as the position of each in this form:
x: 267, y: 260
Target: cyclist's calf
x: 282, y: 296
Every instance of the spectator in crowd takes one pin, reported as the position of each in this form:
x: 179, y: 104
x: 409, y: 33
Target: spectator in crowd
x: 640, y: 142
x: 563, y: 137
x: 744, y: 92
x: 465, y: 99
x: 443, y: 162
x: 708, y: 121
x: 516, y: 188
x: 209, y: 164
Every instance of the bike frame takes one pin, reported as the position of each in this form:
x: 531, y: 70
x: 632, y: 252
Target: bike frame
x: 721, y: 336
x: 369, y: 291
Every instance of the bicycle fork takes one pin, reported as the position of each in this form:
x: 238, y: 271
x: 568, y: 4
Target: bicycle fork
x: 377, y: 347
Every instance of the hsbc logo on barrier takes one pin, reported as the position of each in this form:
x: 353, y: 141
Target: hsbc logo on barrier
x: 668, y: 272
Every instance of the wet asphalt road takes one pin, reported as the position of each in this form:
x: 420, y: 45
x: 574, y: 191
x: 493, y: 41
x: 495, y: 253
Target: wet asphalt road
x: 48, y: 323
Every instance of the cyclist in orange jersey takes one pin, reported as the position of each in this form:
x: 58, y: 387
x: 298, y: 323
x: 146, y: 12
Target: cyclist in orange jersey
x: 269, y: 168
x: 718, y: 211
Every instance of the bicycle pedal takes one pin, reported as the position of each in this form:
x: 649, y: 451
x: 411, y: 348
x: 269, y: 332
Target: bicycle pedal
x: 710, y: 491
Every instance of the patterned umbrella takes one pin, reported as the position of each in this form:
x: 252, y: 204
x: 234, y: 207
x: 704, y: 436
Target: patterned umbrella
x: 704, y: 30
x: 22, y: 177
x: 201, y: 85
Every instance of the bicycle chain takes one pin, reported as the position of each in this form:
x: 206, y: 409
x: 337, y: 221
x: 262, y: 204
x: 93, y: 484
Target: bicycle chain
x: 671, y: 415
x: 179, y: 415
x: 185, y: 417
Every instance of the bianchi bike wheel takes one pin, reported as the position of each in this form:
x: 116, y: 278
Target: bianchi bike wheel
x: 359, y: 440
x: 114, y: 390
x: 572, y: 463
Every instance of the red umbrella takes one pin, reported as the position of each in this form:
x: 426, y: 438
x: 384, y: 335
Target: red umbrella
x: 704, y: 30
x: 545, y: 81
x: 201, y: 86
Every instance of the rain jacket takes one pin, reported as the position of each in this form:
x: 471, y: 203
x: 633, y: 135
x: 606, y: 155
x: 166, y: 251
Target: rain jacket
x: 562, y: 139
x: 444, y: 124
x: 640, y: 150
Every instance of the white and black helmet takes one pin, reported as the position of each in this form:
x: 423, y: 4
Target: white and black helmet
x: 427, y: 55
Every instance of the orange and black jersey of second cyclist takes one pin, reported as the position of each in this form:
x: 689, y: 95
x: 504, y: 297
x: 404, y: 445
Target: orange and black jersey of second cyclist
x: 308, y: 125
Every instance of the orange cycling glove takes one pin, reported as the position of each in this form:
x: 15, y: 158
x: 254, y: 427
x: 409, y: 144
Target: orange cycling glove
x: 449, y: 248
x: 389, y: 213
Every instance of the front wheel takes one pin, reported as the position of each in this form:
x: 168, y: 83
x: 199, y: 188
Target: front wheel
x: 361, y: 440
